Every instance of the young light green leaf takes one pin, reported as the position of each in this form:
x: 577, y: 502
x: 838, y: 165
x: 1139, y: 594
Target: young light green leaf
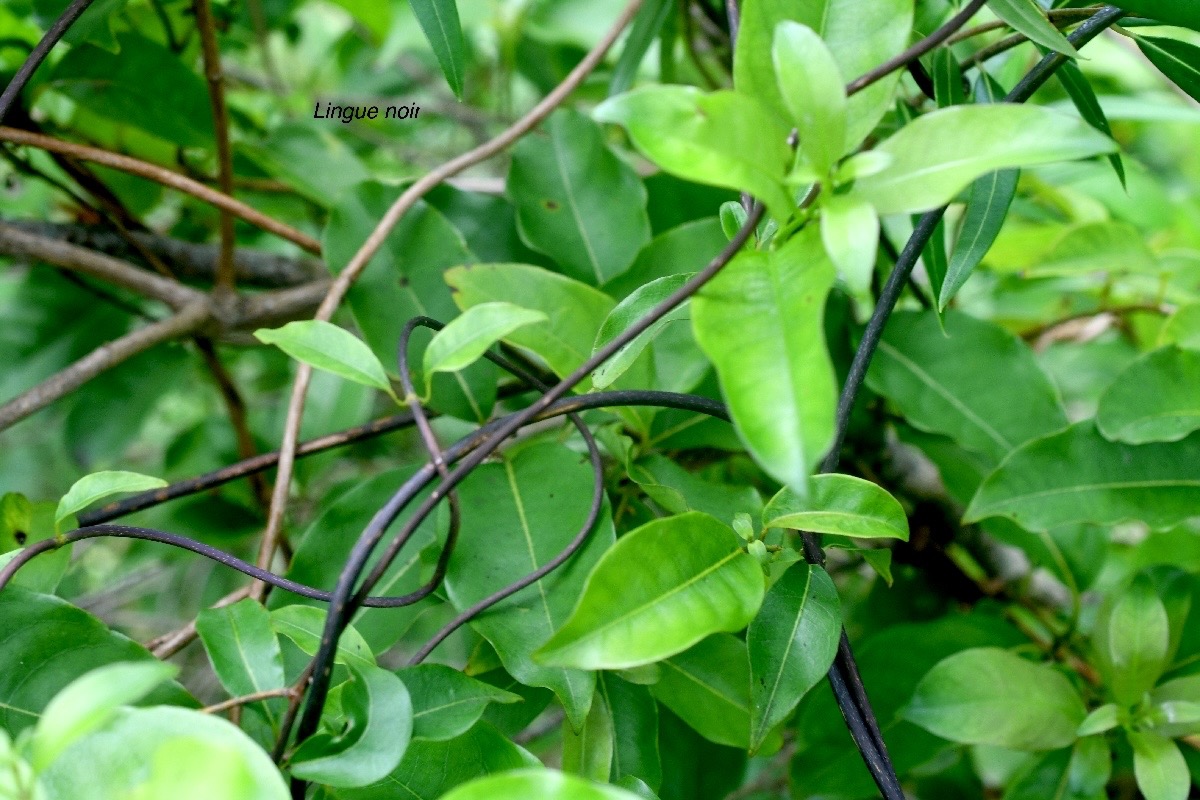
x: 1079, y: 476
x: 150, y: 753
x: 467, y: 337
x: 968, y: 379
x: 1179, y: 61
x: 1159, y: 767
x: 791, y: 643
x: 22, y: 524
x: 1132, y: 641
x: 544, y: 784
x: 860, y: 36
x: 659, y: 590
x: 89, y: 702
x: 708, y: 687
x: 303, y: 625
x: 723, y: 138
x: 850, y: 233
x: 1104, y: 718
x: 839, y: 504
x: 990, y: 696
x: 244, y: 650
x: 813, y: 90
x: 574, y: 310
x: 762, y: 311
x: 937, y: 155
x: 576, y: 201
x: 439, y: 21
x: 326, y: 346
x: 1025, y: 17
x: 99, y: 485
x: 1171, y: 703
x: 446, y: 703
x: 1115, y: 247
x: 1154, y: 399
x: 1182, y: 328
x: 380, y: 724
x: 630, y: 310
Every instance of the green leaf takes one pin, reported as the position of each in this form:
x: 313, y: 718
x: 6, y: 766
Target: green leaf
x: 22, y: 524
x: 439, y: 21
x: 656, y: 592
x: 1171, y: 702
x: 850, y: 233
x: 516, y: 517
x: 677, y: 490
x: 791, y: 643
x: 987, y: 207
x: 467, y: 337
x: 859, y: 36
x: 1079, y: 89
x: 1182, y: 328
x: 1178, y: 60
x: 544, y: 784
x: 380, y: 724
x: 576, y: 201
x: 1102, y: 719
x: 1172, y: 12
x: 645, y: 28
x: 813, y: 90
x: 95, y: 25
x: 589, y: 751
x: 722, y: 139
x: 289, y: 151
x: 99, y: 485
x: 1079, y: 476
x: 48, y: 643
x: 761, y: 322
x: 629, y: 311
x: 244, y: 650
x: 324, y: 345
x: 1025, y: 17
x: 447, y: 703
x: 575, y: 311
x: 1132, y: 641
x: 947, y: 77
x: 430, y: 769
x: 974, y: 382
x: 303, y: 625
x: 708, y: 687
x: 939, y: 154
x: 89, y: 702
x: 1095, y: 247
x: 145, y: 86
x: 635, y: 729
x: 1154, y: 399
x: 165, y: 752
x: 1160, y: 769
x: 990, y: 696
x: 840, y: 504
x: 1080, y: 773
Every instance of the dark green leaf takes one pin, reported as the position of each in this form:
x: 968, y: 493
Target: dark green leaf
x: 987, y: 208
x: 1172, y: 12
x: 635, y: 729
x: 1079, y: 476
x: 589, y: 751
x: 243, y: 650
x: 791, y: 643
x: 303, y: 625
x: 576, y: 201
x: 439, y: 20
x: 1080, y: 91
x: 658, y: 591
x: 446, y: 703
x: 1025, y: 17
x: 646, y: 26
x: 1178, y: 60
x: 708, y: 687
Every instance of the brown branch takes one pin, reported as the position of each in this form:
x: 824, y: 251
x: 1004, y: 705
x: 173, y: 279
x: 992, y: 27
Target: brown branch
x: 16, y: 242
x: 216, y: 97
x: 166, y: 177
x: 246, y: 699
x: 103, y: 358
x: 189, y: 260
x: 375, y: 241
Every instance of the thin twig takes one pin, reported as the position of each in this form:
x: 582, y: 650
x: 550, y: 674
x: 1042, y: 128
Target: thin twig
x: 166, y: 177
x: 216, y: 96
x: 347, y: 276
x: 36, y: 56
x: 246, y: 699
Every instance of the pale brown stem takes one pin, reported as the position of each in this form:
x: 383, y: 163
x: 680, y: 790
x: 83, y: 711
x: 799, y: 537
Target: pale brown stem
x: 216, y: 96
x: 246, y: 699
x: 166, y: 177
x: 347, y: 276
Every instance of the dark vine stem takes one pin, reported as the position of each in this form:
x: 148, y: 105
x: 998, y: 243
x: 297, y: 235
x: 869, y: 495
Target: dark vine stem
x: 36, y: 56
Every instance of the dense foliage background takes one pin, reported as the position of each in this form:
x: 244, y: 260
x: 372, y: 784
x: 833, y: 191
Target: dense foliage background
x: 621, y: 603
